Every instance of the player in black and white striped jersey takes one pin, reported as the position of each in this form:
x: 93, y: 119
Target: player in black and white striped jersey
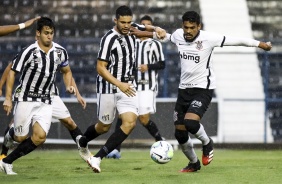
x: 115, y: 88
x: 149, y: 59
x: 38, y: 64
x: 59, y: 112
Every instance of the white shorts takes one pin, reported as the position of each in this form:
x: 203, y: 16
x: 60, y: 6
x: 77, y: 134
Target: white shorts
x: 147, y: 102
x: 107, y: 104
x: 60, y: 111
x: 31, y: 112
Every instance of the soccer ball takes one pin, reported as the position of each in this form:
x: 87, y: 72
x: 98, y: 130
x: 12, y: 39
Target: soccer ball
x: 161, y: 152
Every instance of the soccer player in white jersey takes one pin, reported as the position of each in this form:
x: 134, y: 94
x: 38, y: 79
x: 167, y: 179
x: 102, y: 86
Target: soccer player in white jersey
x: 115, y: 89
x: 149, y: 59
x: 38, y: 64
x: 197, y: 83
x: 7, y: 29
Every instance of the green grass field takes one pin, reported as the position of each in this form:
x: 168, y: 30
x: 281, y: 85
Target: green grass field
x: 136, y: 167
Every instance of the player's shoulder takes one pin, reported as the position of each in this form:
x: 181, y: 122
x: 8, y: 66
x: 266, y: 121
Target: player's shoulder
x: 30, y: 47
x: 59, y: 47
x: 177, y: 35
x: 178, y: 32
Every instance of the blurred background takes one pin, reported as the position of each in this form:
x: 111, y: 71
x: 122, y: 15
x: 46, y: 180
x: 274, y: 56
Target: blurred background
x: 247, y: 104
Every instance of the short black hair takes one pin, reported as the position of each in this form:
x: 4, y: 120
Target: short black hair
x: 146, y: 17
x: 191, y: 16
x: 45, y: 21
x: 123, y: 11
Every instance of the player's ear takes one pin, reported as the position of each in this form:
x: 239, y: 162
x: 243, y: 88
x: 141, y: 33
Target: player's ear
x: 37, y: 33
x: 199, y: 26
x: 115, y: 20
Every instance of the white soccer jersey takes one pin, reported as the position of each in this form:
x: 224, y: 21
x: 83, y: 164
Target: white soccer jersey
x: 38, y: 72
x: 148, y: 51
x: 195, y: 57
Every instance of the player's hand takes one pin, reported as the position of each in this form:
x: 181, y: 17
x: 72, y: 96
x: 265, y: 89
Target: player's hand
x: 161, y: 33
x: 127, y: 89
x: 1, y: 92
x: 71, y: 90
x: 8, y: 106
x: 81, y: 100
x: 31, y: 21
x: 143, y: 68
x: 265, y: 46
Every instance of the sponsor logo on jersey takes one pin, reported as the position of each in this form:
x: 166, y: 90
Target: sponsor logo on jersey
x: 196, y: 104
x: 190, y: 57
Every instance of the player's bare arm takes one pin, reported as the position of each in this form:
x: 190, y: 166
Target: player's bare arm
x: 140, y: 34
x: 4, y: 30
x: 79, y: 98
x: 67, y: 76
x: 4, y: 77
x: 9, y: 88
x: 123, y: 86
x: 160, y: 32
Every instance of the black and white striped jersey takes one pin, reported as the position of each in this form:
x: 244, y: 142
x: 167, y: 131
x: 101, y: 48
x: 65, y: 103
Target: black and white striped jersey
x: 119, y: 51
x: 148, y: 52
x: 38, y: 72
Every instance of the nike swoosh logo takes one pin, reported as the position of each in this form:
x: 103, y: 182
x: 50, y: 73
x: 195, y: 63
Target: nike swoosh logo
x: 184, y: 44
x: 159, y: 156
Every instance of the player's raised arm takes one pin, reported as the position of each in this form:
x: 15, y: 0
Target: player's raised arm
x: 4, y: 77
x: 4, y: 30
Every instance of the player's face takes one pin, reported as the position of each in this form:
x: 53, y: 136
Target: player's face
x: 45, y: 36
x: 190, y: 29
x: 123, y: 24
x: 146, y: 22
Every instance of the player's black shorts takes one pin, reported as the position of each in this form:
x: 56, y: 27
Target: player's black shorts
x: 194, y: 100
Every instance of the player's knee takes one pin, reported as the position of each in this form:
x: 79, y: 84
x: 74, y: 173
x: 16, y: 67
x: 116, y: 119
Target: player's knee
x: 181, y: 136
x: 68, y: 123
x: 144, y: 119
x: 19, y: 139
x: 127, y: 127
x: 192, y: 126
x: 102, y: 128
x: 38, y: 139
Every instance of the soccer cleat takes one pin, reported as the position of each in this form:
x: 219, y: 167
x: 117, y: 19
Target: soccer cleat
x: 94, y: 163
x: 8, y: 141
x: 207, y: 156
x: 83, y: 152
x: 7, y: 168
x: 192, y: 167
x: 2, y: 156
x: 115, y: 154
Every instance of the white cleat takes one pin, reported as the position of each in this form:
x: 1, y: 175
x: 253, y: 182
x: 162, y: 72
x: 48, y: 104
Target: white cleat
x: 83, y: 152
x: 7, y: 168
x: 94, y: 163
